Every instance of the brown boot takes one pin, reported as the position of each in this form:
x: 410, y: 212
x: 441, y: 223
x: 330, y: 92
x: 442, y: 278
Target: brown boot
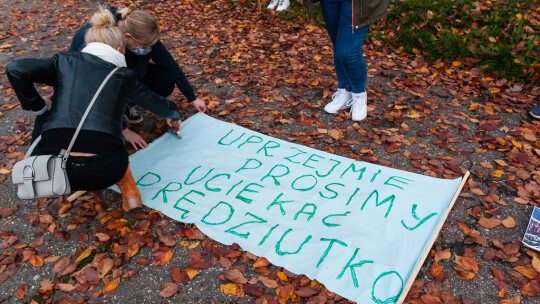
x: 131, y: 197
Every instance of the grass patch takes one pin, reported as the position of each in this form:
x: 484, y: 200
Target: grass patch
x: 503, y: 36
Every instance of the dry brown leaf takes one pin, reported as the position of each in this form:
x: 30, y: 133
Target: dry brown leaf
x: 179, y: 275
x: 46, y: 286
x: 489, y: 222
x: 335, y: 134
x: 268, y: 282
x: 536, y: 264
x: 62, y: 264
x: 442, y: 255
x: 104, y: 267
x: 235, y: 276
x: 21, y: 291
x: 168, y: 290
x: 66, y: 287
x: 509, y: 222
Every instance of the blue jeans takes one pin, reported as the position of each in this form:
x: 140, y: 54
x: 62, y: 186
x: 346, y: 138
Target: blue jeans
x: 351, y: 68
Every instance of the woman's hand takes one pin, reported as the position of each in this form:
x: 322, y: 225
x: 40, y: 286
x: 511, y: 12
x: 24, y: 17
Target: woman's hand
x: 199, y: 104
x: 134, y: 139
x: 48, y: 100
x: 174, y: 124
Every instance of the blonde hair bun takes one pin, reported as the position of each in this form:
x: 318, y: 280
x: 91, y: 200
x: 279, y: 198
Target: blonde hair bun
x: 103, y: 18
x: 124, y: 12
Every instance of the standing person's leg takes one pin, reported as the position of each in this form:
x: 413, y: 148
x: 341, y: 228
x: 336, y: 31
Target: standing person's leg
x: 331, y: 10
x: 348, y: 49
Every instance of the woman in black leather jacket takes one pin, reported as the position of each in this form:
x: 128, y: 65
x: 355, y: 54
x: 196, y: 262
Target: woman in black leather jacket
x: 99, y: 158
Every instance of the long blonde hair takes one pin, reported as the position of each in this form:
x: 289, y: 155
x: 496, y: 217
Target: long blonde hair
x: 104, y: 30
x: 141, y: 25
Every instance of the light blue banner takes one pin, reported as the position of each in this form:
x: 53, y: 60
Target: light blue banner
x: 358, y: 228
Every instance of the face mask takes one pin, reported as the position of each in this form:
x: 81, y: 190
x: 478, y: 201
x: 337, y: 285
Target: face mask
x: 140, y: 51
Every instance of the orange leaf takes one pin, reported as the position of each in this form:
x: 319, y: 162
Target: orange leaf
x: 437, y: 271
x: 282, y: 276
x: 464, y: 228
x: 162, y: 258
x: 527, y: 271
x: 36, y: 261
x: 192, y: 273
x: 515, y: 300
x: 261, y: 262
x: 530, y: 290
x: 467, y: 263
x: 111, y: 285
x: 232, y: 289
x: 85, y: 254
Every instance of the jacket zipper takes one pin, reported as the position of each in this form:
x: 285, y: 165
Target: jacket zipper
x: 352, y: 16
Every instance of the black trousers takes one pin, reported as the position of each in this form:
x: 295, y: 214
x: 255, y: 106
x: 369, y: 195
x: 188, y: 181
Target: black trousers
x: 159, y: 80
x: 96, y: 172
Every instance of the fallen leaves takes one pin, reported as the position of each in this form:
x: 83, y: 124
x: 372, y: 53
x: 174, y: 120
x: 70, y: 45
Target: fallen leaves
x: 489, y: 222
x: 111, y: 286
x: 168, y: 290
x: 21, y: 291
x: 232, y: 289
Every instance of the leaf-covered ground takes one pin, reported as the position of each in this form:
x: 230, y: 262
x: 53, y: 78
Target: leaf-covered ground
x: 274, y: 76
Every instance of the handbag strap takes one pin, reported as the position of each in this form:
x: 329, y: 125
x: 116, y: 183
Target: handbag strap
x: 32, y: 147
x: 66, y: 153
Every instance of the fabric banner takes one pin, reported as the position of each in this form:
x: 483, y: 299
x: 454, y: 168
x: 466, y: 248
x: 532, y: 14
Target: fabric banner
x: 358, y: 228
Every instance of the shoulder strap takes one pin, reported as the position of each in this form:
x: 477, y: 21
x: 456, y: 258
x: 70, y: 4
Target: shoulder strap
x: 66, y: 153
x: 32, y: 147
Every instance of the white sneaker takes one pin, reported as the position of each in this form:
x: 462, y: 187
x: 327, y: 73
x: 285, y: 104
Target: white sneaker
x: 273, y: 4
x: 340, y: 100
x: 359, y: 106
x: 283, y: 5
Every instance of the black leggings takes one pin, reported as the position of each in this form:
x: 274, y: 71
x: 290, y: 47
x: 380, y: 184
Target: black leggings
x: 96, y: 172
x: 159, y: 80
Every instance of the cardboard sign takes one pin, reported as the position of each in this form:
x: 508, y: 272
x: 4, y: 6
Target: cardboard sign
x: 359, y: 228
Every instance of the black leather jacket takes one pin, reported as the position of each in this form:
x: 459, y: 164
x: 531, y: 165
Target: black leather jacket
x: 76, y: 77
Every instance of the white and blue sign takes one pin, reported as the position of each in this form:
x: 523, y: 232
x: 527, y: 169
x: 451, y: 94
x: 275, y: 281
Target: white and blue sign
x: 358, y: 228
